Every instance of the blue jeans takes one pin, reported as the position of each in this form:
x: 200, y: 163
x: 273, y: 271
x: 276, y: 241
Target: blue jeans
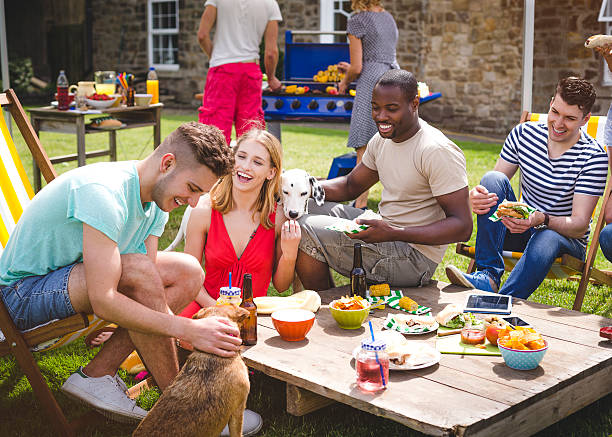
x: 35, y: 300
x: 540, y: 248
x: 605, y: 241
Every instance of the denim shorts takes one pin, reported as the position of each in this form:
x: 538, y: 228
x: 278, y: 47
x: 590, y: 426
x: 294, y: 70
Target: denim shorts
x: 395, y: 262
x: 35, y: 300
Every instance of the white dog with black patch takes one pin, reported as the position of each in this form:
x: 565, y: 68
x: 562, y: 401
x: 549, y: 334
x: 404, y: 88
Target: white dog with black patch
x: 297, y: 186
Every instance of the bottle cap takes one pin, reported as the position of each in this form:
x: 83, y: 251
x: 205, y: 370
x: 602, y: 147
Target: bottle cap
x: 229, y: 292
x: 373, y: 345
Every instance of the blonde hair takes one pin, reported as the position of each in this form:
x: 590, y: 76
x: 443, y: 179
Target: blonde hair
x: 221, y: 196
x: 364, y: 5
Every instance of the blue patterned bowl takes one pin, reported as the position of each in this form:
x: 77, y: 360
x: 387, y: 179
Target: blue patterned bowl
x: 523, y: 360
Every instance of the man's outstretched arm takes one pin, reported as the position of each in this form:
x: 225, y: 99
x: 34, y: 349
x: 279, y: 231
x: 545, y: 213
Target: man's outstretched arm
x: 457, y: 226
x: 206, y: 23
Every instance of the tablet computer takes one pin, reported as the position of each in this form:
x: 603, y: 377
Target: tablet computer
x: 488, y: 303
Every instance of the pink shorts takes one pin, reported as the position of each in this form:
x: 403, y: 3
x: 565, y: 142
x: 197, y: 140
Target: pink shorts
x: 233, y: 95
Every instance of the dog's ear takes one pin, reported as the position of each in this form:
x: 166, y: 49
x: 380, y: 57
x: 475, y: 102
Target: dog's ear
x: 317, y: 191
x: 201, y: 314
x: 241, y: 314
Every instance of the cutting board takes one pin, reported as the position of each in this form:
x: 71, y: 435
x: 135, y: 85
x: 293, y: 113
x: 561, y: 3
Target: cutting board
x: 451, y: 344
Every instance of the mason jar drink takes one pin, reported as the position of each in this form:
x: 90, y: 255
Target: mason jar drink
x: 372, y: 366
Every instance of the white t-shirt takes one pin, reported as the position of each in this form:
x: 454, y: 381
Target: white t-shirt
x: 413, y: 173
x: 240, y: 25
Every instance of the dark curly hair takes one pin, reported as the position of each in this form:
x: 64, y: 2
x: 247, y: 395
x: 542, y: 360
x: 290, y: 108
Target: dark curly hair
x: 577, y: 91
x: 195, y: 142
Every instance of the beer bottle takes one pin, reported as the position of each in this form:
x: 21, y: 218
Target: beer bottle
x: 358, y: 276
x: 248, y: 329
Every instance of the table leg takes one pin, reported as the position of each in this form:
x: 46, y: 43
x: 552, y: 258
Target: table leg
x: 80, y: 133
x: 301, y: 401
x: 274, y: 127
x: 157, y: 128
x: 112, y: 145
x: 35, y: 169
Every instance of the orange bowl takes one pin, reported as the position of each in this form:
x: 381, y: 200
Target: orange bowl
x: 293, y: 324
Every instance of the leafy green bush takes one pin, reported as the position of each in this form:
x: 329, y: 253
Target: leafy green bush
x: 20, y: 73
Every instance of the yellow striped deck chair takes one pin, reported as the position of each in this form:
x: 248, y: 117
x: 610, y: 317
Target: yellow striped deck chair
x: 566, y: 266
x: 16, y: 194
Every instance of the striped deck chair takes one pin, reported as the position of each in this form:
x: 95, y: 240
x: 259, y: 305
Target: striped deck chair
x: 565, y: 267
x: 16, y: 193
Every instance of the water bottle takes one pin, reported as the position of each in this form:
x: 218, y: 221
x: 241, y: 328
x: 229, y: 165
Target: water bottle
x: 153, y: 85
x: 63, y: 100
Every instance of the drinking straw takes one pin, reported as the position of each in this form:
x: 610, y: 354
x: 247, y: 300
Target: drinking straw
x: 230, y: 281
x: 382, y: 374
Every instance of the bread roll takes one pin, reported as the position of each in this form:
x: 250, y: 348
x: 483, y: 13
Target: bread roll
x: 598, y: 41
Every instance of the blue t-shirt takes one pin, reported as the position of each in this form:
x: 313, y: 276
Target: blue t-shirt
x: 49, y: 234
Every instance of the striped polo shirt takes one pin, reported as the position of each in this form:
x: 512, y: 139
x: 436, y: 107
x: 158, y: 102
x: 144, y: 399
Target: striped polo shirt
x: 549, y: 184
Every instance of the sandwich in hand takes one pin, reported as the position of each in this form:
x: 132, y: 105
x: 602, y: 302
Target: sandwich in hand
x: 451, y: 316
x: 513, y: 209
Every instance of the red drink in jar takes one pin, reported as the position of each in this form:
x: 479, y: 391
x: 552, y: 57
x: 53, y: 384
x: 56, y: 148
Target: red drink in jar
x: 63, y: 100
x: 472, y: 336
x: 372, y: 365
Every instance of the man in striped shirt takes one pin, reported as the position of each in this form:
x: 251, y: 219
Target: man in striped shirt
x: 563, y: 172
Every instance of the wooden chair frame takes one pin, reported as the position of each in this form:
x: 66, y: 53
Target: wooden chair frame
x: 585, y: 268
x: 18, y: 343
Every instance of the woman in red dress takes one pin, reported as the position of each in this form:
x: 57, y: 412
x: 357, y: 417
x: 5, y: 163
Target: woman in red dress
x: 237, y: 228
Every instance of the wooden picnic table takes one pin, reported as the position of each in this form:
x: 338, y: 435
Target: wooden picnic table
x: 463, y: 394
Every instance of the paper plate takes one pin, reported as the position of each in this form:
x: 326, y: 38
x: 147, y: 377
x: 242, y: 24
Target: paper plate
x: 437, y: 356
x: 390, y: 323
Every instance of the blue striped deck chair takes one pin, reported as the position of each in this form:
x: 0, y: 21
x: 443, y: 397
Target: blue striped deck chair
x: 566, y: 266
x: 16, y: 194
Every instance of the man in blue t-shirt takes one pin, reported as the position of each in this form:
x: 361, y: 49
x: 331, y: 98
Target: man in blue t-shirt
x: 563, y: 173
x: 88, y: 243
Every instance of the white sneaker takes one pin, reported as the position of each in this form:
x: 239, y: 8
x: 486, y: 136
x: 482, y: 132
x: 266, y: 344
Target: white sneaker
x: 105, y: 394
x: 251, y: 424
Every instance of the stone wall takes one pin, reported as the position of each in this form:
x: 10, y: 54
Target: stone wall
x: 470, y: 51
x: 121, y: 44
x: 473, y: 56
x: 559, y: 54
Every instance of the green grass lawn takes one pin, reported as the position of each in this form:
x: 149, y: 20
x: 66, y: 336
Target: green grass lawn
x: 311, y: 149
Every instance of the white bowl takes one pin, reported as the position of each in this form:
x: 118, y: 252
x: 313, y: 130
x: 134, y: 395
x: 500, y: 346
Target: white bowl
x: 142, y: 99
x: 101, y: 104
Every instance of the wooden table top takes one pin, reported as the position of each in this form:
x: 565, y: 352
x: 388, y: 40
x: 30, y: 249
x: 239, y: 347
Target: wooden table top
x: 53, y: 110
x: 463, y: 394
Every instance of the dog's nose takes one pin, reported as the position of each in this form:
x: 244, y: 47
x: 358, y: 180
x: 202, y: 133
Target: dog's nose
x: 293, y: 214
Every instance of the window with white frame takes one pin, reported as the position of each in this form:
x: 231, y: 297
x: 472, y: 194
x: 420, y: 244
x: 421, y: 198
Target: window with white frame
x: 163, y: 34
x: 605, y: 15
x: 334, y: 15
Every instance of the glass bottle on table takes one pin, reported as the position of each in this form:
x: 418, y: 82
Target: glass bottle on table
x: 63, y: 100
x: 130, y: 92
x: 358, y: 276
x: 248, y: 329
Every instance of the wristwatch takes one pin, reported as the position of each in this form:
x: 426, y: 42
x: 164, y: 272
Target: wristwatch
x: 544, y: 224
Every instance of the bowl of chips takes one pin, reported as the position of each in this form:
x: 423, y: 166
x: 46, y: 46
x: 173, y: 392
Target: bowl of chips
x: 350, y: 312
x: 521, y: 348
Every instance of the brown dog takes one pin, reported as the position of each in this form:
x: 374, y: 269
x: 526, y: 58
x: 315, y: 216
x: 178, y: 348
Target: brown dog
x: 208, y: 393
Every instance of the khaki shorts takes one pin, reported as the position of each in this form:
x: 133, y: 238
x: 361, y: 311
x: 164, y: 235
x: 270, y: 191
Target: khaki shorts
x: 394, y: 262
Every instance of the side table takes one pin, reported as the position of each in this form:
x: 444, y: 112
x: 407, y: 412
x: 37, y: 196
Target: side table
x: 49, y: 119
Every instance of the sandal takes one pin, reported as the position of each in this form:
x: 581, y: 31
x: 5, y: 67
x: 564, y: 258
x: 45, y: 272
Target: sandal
x: 92, y: 335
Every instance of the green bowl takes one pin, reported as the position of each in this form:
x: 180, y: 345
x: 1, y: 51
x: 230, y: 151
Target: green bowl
x: 349, y: 319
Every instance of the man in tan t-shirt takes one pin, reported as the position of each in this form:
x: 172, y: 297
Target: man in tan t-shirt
x: 424, y: 204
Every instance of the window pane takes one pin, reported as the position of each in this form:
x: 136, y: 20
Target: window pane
x: 156, y: 7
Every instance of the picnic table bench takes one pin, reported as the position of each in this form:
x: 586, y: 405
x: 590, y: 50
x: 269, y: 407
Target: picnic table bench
x: 461, y: 395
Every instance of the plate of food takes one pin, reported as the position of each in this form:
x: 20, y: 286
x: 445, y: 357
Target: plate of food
x: 411, y: 324
x: 404, y: 354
